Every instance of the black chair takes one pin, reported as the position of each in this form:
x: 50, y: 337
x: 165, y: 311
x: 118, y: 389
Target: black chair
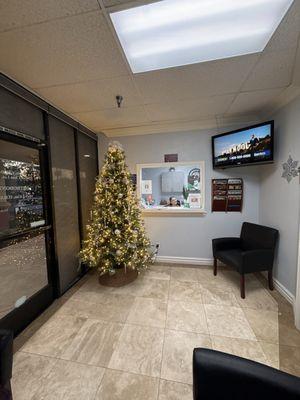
x: 220, y: 376
x: 253, y: 251
x: 6, y: 360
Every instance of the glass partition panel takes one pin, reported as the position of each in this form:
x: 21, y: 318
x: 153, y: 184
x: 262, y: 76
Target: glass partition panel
x: 88, y: 169
x: 23, y: 271
x: 170, y: 186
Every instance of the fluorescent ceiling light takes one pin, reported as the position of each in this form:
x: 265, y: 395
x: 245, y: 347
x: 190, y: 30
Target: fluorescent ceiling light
x: 170, y: 33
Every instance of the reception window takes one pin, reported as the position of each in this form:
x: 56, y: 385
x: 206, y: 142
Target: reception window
x: 171, y: 187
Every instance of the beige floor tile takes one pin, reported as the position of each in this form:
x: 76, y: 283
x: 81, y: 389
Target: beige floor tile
x: 92, y: 284
x: 115, y: 308
x: 228, y: 322
x: 271, y: 351
x: 185, y: 291
x: 178, y: 353
x: 139, y: 350
x: 184, y: 274
x: 154, y: 288
x: 94, y: 343
x: 148, y: 312
x: 70, y: 381
x: 264, y: 324
x: 53, y: 337
x: 288, y: 334
x: 158, y: 272
x: 86, y: 326
x: 218, y: 296
x: 175, y: 391
x: 257, y: 298
x: 224, y: 280
x: 186, y: 316
x: 28, y: 373
x: 239, y: 347
x: 290, y: 360
x: 99, y: 297
x: 144, y: 287
x: 117, y: 385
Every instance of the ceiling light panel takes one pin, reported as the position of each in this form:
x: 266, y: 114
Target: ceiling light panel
x: 171, y: 33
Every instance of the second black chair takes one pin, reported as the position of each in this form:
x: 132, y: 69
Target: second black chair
x: 253, y: 251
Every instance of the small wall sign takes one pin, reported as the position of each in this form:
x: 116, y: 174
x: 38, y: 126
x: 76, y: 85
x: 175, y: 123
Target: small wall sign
x: 147, y: 187
x: 171, y: 157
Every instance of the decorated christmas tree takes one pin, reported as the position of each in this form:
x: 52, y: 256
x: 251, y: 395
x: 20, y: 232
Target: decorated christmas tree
x: 116, y: 235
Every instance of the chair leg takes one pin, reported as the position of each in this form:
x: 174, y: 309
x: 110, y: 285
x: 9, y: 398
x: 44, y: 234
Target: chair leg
x: 242, y: 286
x: 270, y: 280
x: 215, y: 266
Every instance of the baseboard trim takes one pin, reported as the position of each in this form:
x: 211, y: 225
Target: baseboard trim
x: 284, y: 292
x: 185, y: 260
x: 281, y: 289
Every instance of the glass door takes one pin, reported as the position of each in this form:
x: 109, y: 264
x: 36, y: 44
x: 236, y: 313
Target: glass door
x: 26, y: 270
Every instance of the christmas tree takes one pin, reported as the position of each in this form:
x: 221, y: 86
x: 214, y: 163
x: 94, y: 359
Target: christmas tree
x: 116, y: 235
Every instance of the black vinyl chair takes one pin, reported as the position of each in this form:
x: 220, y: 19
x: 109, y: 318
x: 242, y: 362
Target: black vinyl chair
x: 6, y: 360
x: 253, y: 251
x: 220, y: 376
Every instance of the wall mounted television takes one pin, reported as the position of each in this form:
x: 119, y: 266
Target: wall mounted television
x: 248, y: 146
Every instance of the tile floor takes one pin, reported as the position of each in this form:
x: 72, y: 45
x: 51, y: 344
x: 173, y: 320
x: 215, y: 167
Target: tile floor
x: 136, y: 342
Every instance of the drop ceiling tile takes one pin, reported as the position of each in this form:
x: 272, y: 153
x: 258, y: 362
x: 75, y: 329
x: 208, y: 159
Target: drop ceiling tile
x: 287, y: 33
x: 63, y: 51
x: 16, y: 13
x: 273, y: 70
x: 194, y: 81
x: 189, y: 109
x: 113, y: 118
x: 93, y: 95
x: 249, y: 102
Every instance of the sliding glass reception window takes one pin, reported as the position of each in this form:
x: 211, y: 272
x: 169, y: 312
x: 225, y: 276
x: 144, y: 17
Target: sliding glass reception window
x: 171, y: 187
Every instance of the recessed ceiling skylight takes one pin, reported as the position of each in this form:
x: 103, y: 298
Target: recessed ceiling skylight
x: 170, y: 33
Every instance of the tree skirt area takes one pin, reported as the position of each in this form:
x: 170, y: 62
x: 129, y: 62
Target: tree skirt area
x: 119, y: 278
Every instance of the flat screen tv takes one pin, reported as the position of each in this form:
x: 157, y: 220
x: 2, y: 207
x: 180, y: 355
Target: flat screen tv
x: 247, y: 146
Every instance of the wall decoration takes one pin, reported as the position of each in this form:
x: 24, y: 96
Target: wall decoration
x: 194, y: 180
x: 227, y: 195
x: 194, y: 200
x: 147, y: 187
x: 171, y: 157
x: 290, y: 169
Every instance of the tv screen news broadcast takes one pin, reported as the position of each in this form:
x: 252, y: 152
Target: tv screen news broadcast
x: 251, y: 145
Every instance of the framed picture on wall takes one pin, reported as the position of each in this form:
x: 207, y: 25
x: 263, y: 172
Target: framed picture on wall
x: 194, y: 200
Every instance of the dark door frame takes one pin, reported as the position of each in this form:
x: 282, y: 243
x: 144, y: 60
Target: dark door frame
x: 20, y: 317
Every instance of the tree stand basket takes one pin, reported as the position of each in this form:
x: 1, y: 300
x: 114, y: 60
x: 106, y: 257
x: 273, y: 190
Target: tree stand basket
x: 120, y: 278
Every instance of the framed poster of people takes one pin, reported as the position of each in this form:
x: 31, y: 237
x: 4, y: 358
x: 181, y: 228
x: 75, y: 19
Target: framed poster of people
x: 227, y: 195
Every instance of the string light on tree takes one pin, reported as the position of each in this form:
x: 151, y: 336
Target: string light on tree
x: 116, y: 235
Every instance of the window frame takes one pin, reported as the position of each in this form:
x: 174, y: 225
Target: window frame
x: 175, y: 210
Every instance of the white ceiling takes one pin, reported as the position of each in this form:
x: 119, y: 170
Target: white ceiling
x: 67, y: 52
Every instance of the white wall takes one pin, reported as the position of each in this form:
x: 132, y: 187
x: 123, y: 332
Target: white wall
x: 279, y: 200
x: 190, y: 236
